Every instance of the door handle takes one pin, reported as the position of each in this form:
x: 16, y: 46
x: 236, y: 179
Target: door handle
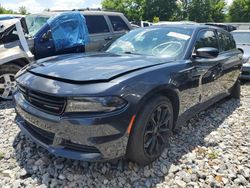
x: 108, y: 38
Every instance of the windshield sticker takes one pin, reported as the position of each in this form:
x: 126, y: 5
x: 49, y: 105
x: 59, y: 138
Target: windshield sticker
x: 178, y: 35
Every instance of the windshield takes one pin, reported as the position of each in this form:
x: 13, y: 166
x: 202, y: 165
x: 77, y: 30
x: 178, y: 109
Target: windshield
x: 160, y: 42
x: 35, y: 23
x: 242, y: 37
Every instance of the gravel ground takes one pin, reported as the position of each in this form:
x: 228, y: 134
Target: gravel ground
x: 212, y: 150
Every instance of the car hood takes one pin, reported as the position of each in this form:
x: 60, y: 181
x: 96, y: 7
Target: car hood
x: 92, y: 67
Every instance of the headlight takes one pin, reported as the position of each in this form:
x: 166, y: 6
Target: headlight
x: 95, y: 104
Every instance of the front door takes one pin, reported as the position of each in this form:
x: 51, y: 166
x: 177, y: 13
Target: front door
x: 65, y: 33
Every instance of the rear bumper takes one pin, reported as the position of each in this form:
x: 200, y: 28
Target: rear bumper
x: 74, y: 137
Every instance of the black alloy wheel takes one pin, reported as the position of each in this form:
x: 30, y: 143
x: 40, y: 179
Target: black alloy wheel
x: 157, y: 131
x: 151, y: 131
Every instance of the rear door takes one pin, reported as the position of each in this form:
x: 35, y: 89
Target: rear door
x: 231, y: 60
x: 99, y: 31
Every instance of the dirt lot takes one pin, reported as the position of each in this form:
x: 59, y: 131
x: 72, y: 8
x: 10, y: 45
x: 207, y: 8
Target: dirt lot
x: 212, y: 150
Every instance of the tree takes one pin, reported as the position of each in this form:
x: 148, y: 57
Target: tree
x: 206, y: 10
x: 137, y: 10
x: 5, y: 11
x: 218, y: 10
x: 199, y: 11
x: 163, y: 9
x: 239, y: 11
x: 23, y: 10
x: 133, y: 9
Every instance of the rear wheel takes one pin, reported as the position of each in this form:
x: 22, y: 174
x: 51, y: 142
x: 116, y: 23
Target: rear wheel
x: 7, y: 80
x: 235, y: 93
x: 151, y: 132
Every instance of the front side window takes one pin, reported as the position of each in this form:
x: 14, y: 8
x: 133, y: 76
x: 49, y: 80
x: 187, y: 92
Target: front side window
x: 35, y: 23
x: 96, y: 24
x: 159, y: 42
x: 206, y: 39
x: 226, y: 41
x: 118, y: 23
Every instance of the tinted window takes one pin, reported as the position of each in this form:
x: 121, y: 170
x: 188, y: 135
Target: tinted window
x: 96, y: 24
x: 226, y: 41
x: 206, y: 39
x: 118, y: 23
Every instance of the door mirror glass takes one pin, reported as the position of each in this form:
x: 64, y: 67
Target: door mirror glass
x: 47, y: 36
x: 207, y: 52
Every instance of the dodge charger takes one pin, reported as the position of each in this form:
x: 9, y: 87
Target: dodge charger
x: 130, y: 99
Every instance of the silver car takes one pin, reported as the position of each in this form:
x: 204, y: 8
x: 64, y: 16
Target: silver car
x: 242, y: 38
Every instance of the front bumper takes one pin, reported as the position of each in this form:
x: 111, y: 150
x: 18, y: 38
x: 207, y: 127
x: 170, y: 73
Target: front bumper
x: 96, y: 138
x: 245, y: 73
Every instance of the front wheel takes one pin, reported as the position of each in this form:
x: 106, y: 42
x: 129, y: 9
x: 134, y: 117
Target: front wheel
x: 151, y: 132
x: 7, y: 80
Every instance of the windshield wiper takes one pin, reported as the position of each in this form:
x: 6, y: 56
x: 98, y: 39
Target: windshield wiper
x: 133, y: 53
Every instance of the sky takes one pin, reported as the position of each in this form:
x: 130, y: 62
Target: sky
x: 34, y: 6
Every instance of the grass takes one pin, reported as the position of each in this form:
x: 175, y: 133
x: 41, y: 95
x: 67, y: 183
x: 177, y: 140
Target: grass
x: 213, y: 155
x: 1, y: 155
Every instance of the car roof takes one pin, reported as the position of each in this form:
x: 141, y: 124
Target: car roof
x: 185, y: 25
x: 88, y: 12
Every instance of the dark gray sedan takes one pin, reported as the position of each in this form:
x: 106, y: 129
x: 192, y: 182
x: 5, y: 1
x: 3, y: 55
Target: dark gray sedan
x: 128, y: 100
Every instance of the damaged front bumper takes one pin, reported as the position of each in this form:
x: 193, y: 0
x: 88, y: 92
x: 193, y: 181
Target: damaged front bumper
x: 97, y: 138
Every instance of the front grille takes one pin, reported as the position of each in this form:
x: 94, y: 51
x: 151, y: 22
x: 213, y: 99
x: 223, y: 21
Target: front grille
x: 42, y: 135
x: 44, y: 102
x: 80, y: 148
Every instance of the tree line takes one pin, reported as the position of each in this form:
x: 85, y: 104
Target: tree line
x: 176, y: 10
x: 22, y: 10
x: 173, y: 10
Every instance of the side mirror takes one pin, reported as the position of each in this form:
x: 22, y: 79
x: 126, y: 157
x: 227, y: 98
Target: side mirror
x: 46, y: 36
x: 207, y: 52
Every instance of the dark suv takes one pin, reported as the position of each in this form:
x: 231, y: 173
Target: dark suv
x: 129, y: 99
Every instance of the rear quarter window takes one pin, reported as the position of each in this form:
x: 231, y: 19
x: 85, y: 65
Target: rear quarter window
x: 226, y: 41
x: 118, y: 23
x: 96, y: 24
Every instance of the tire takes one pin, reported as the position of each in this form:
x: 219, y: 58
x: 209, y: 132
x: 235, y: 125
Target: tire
x: 139, y: 144
x: 7, y: 80
x: 236, y: 90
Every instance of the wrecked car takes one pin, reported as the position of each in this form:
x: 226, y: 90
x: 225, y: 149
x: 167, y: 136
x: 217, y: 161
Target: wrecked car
x: 128, y: 100
x: 47, y: 37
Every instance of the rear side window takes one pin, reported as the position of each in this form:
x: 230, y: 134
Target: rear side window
x: 96, y: 24
x: 118, y: 23
x: 206, y: 39
x: 226, y: 41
